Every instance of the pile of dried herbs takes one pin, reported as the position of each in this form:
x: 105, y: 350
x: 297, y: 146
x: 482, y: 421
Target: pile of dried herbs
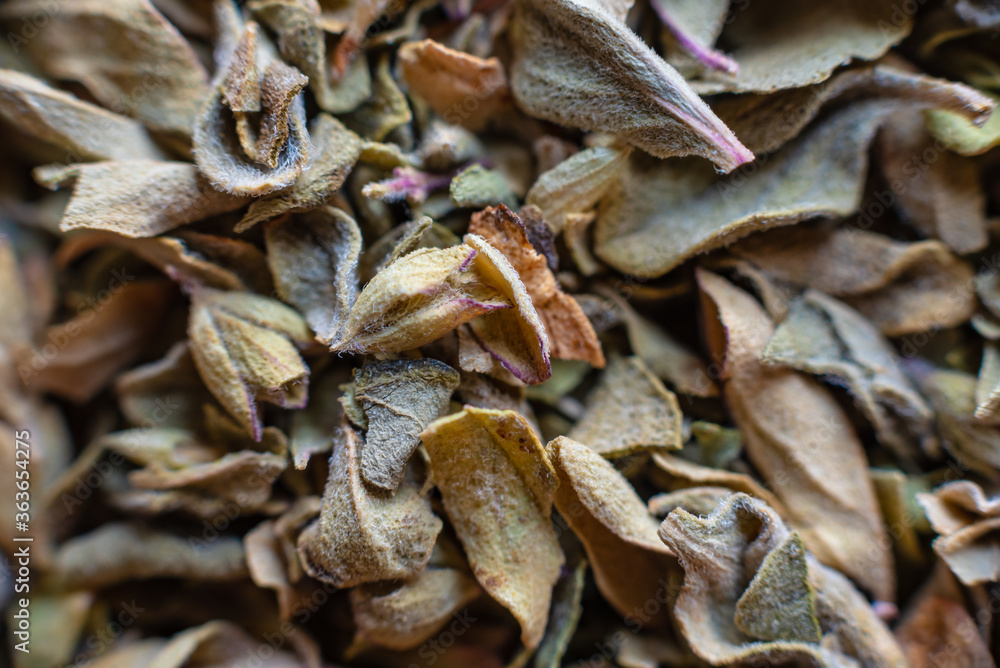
x: 485, y: 333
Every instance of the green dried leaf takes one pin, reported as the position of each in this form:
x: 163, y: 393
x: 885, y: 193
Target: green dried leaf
x: 629, y: 411
x: 576, y: 63
x: 567, y: 607
x: 399, y: 399
x: 364, y: 534
x: 242, y: 346
x: 476, y: 187
x: 386, y: 109
x: 497, y: 485
x: 314, y: 260
x: 138, y: 198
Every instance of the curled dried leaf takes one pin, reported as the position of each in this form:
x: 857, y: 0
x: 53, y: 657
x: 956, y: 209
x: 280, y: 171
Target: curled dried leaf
x: 242, y: 346
x: 364, y: 534
x: 629, y: 410
x: 797, y: 433
x: 576, y: 63
x: 314, y: 260
x: 497, y: 485
x: 620, y: 536
x: 399, y: 399
x: 969, y: 526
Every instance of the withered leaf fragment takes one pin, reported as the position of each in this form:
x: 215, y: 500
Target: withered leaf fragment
x: 84, y: 130
x: 417, y: 299
x: 567, y: 599
x: 576, y: 63
x: 630, y: 562
x: 751, y: 592
x: 399, y: 399
x: 118, y: 552
x: 136, y: 198
x: 476, y: 187
x: 242, y: 345
x: 691, y: 27
x: 570, y: 333
x: 251, y: 138
x: 365, y: 534
x: 825, y: 337
x: 797, y: 433
x: 969, y: 524
x: 629, y: 410
x: 404, y: 617
x: 125, y: 52
x: 939, y: 632
x: 463, y: 89
x: 335, y: 150
x: 314, y: 260
x: 498, y: 484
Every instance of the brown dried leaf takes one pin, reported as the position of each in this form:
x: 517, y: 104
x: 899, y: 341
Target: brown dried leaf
x: 84, y: 130
x: 796, y: 433
x: 900, y: 287
x: 497, y: 485
x: 685, y: 475
x: 577, y: 64
x: 417, y: 299
x: 751, y: 592
x: 405, y: 617
x: 824, y: 337
x: 629, y: 411
x: 98, y: 343
x: 314, y: 260
x: 138, y: 198
x: 969, y: 524
x: 577, y: 183
x: 119, y: 552
x: 940, y: 633
x: 164, y: 393
x: 620, y: 536
x: 364, y: 534
x: 242, y: 346
x: 335, y: 150
x: 461, y: 88
x: 569, y: 331
x: 399, y: 399
x: 362, y: 14
x: 127, y: 55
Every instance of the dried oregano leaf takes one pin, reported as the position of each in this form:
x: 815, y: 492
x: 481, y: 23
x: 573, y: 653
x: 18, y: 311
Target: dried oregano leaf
x: 988, y: 384
x: 629, y: 410
x: 335, y: 150
x: 242, y: 345
x: 364, y: 534
x: 969, y: 524
x: 935, y: 631
x: 962, y: 136
x: 567, y: 607
x: 399, y: 399
x: 385, y: 110
x: 577, y: 183
x: 99, y: 342
x: 139, y: 198
x: 796, y: 432
x: 825, y: 337
x: 476, y: 187
x: 690, y: 29
x: 576, y: 63
x: 416, y: 299
x: 118, y: 552
x: 405, y: 617
x: 251, y: 137
x: 84, y: 130
x: 314, y: 260
x: 497, y: 485
x: 942, y: 198
x: 619, y: 534
x: 461, y: 88
x: 752, y: 593
x: 684, y: 474
x: 312, y: 428
x: 786, y: 44
x: 517, y: 337
x: 127, y: 55
x: 570, y: 333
